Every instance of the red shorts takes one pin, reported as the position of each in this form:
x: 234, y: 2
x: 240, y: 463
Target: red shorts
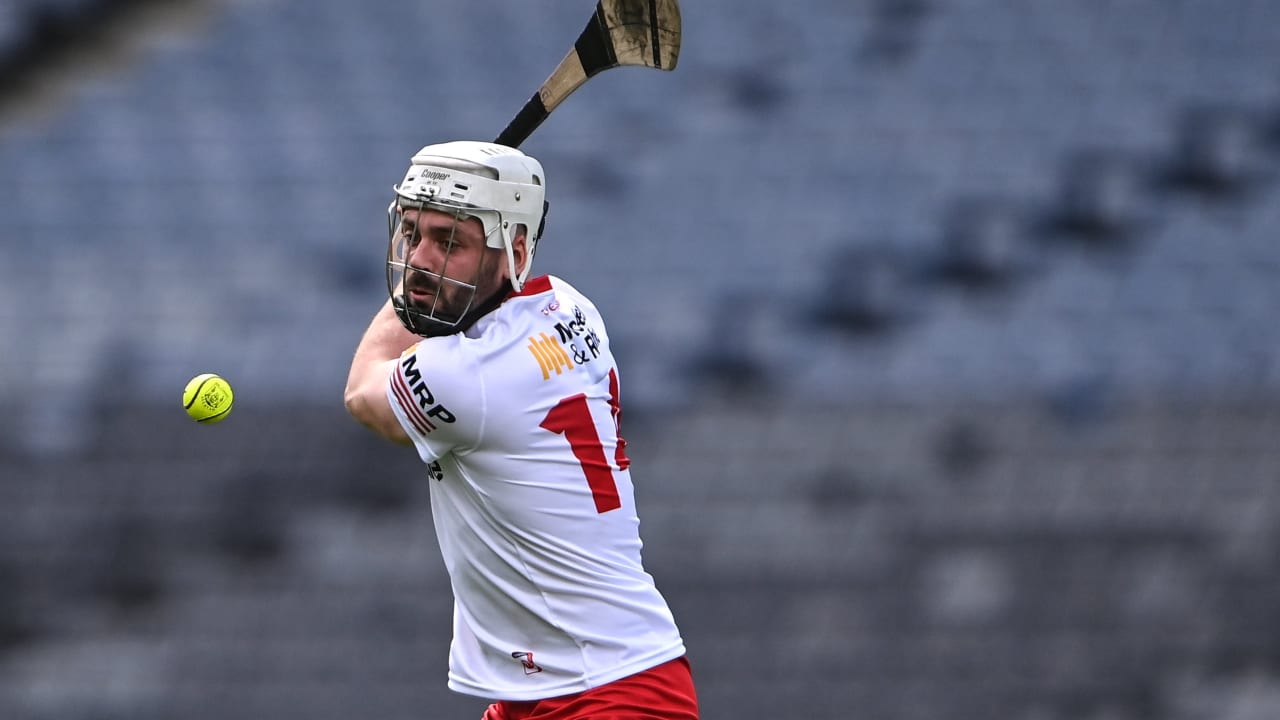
x: 664, y: 692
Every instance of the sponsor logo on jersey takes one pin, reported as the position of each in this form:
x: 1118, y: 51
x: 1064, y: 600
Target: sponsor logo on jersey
x: 550, y: 355
x: 575, y: 343
x: 416, y: 399
x: 580, y: 338
x: 526, y: 660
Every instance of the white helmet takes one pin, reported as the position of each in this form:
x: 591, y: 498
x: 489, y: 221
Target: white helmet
x: 499, y: 185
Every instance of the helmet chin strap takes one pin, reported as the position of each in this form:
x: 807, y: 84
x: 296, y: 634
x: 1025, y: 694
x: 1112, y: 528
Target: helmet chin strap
x: 514, y: 278
x: 517, y: 276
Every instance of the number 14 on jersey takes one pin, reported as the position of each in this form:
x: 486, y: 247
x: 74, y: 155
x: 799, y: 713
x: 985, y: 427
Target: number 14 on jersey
x: 571, y: 417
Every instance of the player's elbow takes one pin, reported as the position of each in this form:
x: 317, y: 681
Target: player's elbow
x: 361, y: 406
x: 357, y: 405
x: 373, y: 412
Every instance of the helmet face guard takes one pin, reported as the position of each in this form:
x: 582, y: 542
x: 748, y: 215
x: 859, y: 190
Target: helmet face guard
x: 452, y: 300
x: 500, y: 187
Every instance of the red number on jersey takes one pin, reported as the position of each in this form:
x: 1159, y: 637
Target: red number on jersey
x: 571, y: 417
x: 615, y: 409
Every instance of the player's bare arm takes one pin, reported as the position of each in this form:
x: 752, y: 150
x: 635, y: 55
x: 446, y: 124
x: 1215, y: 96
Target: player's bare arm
x: 376, y: 356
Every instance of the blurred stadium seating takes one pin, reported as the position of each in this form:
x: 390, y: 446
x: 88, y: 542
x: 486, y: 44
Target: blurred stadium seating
x: 950, y: 371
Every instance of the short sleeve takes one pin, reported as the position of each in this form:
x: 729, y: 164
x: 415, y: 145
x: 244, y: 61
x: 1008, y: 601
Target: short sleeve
x: 435, y: 392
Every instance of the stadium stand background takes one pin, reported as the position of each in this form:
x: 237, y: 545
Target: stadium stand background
x: 947, y: 331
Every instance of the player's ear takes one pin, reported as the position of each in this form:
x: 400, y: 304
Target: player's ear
x: 520, y: 247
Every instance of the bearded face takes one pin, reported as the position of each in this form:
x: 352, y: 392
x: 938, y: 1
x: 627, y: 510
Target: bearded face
x: 445, y: 271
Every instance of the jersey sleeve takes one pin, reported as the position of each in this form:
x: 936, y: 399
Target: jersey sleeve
x: 436, y: 392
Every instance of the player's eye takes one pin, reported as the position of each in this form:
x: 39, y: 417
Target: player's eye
x: 446, y: 240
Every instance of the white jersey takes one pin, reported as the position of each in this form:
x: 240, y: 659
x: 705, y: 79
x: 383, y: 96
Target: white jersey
x: 517, y: 419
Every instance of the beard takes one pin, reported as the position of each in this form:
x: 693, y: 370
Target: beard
x: 446, y: 307
x: 432, y: 297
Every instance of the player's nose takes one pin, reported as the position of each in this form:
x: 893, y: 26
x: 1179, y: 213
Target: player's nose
x: 425, y: 256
